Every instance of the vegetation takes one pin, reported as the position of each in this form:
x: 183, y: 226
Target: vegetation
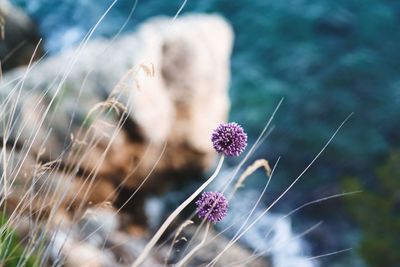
x: 327, y: 58
x: 377, y: 211
x: 12, y: 252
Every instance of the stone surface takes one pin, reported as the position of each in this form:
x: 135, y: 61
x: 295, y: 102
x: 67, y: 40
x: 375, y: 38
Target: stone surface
x: 19, y: 37
x: 136, y: 112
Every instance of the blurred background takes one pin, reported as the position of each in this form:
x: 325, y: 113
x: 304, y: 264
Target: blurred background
x: 327, y: 59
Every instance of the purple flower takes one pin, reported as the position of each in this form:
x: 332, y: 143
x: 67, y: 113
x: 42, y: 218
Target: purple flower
x: 229, y: 139
x: 212, y: 206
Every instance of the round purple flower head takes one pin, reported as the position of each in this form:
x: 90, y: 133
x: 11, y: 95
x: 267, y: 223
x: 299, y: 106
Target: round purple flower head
x: 229, y: 139
x: 212, y: 206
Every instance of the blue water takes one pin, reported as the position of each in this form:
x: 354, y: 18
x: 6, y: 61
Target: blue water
x: 326, y: 58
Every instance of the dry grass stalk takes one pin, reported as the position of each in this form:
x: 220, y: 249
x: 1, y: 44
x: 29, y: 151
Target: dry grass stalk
x: 261, y: 163
x: 175, y: 240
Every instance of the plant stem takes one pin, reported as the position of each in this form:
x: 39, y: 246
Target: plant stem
x: 173, y: 215
x: 195, y: 249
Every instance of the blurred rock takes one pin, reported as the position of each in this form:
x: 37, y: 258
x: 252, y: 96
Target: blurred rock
x: 110, y: 113
x: 91, y: 124
x: 19, y: 37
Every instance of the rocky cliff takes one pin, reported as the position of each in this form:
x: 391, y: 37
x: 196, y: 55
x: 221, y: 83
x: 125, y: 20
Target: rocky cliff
x: 90, y: 132
x: 113, y: 112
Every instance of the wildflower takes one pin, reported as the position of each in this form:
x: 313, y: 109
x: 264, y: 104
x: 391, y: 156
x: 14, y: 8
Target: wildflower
x: 212, y: 206
x: 229, y: 139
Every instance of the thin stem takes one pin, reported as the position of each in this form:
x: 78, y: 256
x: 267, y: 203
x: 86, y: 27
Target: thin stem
x: 174, y: 214
x: 5, y: 183
x: 196, y: 248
